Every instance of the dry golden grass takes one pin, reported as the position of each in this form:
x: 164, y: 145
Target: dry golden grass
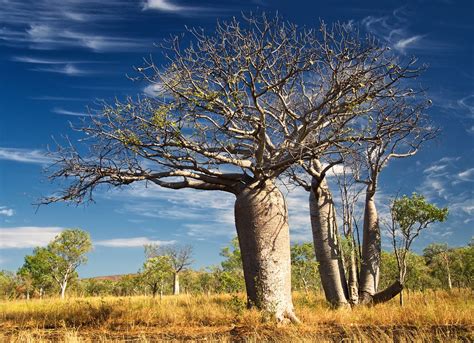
x: 425, y: 317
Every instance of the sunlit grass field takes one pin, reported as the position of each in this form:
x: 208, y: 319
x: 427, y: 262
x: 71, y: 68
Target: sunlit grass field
x: 429, y: 316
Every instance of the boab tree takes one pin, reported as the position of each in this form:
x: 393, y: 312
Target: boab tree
x: 232, y: 112
x: 395, y: 127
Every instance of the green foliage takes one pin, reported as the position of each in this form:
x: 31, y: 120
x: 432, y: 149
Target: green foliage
x: 39, y: 267
x: 71, y: 246
x: 8, y: 285
x: 457, y: 262
x: 305, y: 275
x: 230, y: 277
x: 409, y: 211
x: 418, y: 273
x: 233, y: 257
x: 157, y: 273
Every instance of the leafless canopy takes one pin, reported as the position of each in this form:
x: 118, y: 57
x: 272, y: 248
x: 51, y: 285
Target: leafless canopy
x: 236, y: 107
x: 180, y: 256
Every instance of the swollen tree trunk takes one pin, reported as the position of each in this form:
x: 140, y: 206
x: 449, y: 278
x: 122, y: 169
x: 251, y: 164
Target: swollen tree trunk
x: 261, y: 219
x: 371, y: 249
x: 176, y: 283
x: 326, y: 244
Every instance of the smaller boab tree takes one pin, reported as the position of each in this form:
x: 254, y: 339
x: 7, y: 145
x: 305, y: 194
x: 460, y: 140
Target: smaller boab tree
x: 409, y: 217
x: 179, y: 256
x: 395, y: 127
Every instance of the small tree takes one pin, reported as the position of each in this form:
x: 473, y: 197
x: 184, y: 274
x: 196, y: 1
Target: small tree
x: 439, y: 254
x: 409, y: 216
x: 180, y: 258
x: 156, y: 273
x: 26, y: 281
x: 68, y: 251
x: 304, y: 267
x: 38, y: 266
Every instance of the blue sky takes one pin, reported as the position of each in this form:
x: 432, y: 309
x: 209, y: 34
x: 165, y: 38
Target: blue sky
x: 57, y: 57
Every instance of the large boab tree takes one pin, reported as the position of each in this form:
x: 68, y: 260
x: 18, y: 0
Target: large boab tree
x: 233, y: 110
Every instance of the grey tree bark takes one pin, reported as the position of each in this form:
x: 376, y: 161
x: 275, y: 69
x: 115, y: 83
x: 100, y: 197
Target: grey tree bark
x: 261, y: 219
x: 353, y: 277
x: 63, y: 289
x: 176, y: 284
x: 326, y: 243
x: 371, y: 248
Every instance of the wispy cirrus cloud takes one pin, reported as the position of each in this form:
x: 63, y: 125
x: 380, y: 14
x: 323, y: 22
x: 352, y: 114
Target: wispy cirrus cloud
x: 54, y: 24
x: 175, y: 7
x: 59, y: 110
x: 27, y: 236
x: 131, y: 242
x: 6, y: 211
x: 66, y: 67
x: 395, y: 30
x: 448, y: 184
x: 198, y: 218
x: 24, y: 155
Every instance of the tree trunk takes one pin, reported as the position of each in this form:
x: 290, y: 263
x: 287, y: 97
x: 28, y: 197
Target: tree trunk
x: 176, y: 284
x: 371, y: 246
x: 326, y: 244
x: 448, y: 271
x: 353, y: 284
x: 261, y: 219
x: 63, y: 289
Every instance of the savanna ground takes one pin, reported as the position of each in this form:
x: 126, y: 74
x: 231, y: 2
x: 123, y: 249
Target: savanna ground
x: 430, y: 316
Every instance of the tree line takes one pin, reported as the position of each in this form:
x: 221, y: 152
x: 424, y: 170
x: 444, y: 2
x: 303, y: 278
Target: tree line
x: 438, y: 267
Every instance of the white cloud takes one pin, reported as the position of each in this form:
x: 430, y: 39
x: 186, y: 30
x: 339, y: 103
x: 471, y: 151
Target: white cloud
x: 24, y: 155
x: 466, y: 175
x: 27, y: 236
x: 404, y: 43
x: 7, y: 212
x: 467, y: 104
x: 435, y: 168
x: 162, y: 5
x: 54, y: 24
x: 395, y: 31
x: 154, y: 90
x: 170, y: 6
x: 55, y: 66
x: 67, y: 69
x: 35, y: 60
x: 131, y: 242
x: 59, y: 110
x: 205, y: 214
